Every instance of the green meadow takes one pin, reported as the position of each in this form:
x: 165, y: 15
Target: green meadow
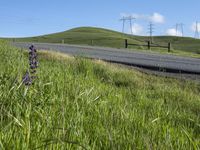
x: 77, y: 103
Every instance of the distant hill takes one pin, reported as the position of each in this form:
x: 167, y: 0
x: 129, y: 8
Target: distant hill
x: 109, y: 38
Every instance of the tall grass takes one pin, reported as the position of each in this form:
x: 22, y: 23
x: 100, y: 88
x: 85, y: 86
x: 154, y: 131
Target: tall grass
x: 82, y: 104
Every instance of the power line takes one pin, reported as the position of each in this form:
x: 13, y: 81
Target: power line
x: 130, y: 20
x: 151, y: 31
x: 131, y: 23
x: 177, y: 29
x: 179, y: 26
x: 123, y: 24
x: 197, y: 30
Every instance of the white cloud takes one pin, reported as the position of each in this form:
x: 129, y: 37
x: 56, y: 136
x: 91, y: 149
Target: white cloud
x: 137, y: 29
x: 193, y: 27
x: 172, y: 32
x: 157, y: 18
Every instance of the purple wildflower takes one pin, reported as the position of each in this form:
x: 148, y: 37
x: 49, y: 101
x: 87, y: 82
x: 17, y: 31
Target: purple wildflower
x: 27, y: 79
x: 33, y: 62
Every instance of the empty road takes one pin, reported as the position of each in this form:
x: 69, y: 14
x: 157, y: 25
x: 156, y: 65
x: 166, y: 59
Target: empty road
x: 164, y: 62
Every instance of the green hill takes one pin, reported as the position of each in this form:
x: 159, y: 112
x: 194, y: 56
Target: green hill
x: 109, y: 38
x: 82, y: 104
x: 84, y: 36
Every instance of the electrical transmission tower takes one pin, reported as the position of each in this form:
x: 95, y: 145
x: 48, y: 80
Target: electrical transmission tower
x: 197, y: 30
x: 182, y: 32
x: 123, y: 24
x: 130, y: 20
x: 151, y: 31
x: 180, y: 26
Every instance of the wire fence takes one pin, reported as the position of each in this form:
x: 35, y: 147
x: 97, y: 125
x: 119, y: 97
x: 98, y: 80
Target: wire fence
x: 149, y: 44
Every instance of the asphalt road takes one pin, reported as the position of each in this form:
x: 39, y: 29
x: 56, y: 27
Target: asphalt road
x: 162, y: 62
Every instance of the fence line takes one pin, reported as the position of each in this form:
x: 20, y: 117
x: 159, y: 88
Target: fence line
x: 149, y: 45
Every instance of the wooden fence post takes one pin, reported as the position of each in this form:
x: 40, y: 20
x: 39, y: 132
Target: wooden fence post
x: 63, y: 41
x: 126, y: 43
x: 92, y: 42
x: 169, y: 47
x: 149, y: 45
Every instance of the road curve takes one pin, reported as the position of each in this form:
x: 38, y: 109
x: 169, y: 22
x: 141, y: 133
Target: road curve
x: 164, y: 62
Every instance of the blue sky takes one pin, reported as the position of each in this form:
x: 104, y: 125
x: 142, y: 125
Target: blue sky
x: 20, y: 18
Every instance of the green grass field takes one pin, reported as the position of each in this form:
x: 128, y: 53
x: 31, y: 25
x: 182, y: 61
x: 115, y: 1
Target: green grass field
x: 82, y: 104
x: 109, y: 38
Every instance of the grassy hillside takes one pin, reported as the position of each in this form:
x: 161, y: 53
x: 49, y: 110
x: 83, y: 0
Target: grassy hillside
x: 85, y: 36
x: 82, y: 104
x: 108, y: 38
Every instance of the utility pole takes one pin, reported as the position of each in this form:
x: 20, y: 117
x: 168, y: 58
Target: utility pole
x: 151, y: 30
x: 182, y: 32
x: 131, y: 25
x: 180, y: 26
x: 177, y: 29
x: 123, y: 24
x: 197, y: 31
x: 124, y: 19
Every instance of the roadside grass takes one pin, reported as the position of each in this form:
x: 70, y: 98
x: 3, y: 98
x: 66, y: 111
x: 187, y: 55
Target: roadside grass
x: 172, y: 52
x: 83, y: 104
